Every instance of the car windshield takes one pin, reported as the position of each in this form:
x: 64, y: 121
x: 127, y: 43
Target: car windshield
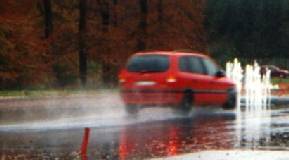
x: 271, y: 67
x: 148, y: 63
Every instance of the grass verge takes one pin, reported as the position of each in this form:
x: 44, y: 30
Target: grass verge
x: 52, y: 92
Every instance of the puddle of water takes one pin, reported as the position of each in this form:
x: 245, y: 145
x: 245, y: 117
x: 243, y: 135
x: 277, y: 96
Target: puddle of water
x: 154, y: 132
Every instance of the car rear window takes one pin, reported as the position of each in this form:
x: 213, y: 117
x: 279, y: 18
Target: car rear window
x: 148, y: 63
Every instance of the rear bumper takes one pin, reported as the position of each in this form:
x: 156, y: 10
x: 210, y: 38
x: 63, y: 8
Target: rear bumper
x: 152, y: 97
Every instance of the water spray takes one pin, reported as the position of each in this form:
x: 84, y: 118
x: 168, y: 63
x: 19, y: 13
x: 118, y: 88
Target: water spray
x: 255, y: 90
x: 254, y: 87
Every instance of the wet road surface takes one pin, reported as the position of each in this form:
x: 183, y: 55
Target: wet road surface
x: 53, y: 129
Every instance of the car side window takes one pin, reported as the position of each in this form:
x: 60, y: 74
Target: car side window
x: 211, y: 67
x: 191, y: 64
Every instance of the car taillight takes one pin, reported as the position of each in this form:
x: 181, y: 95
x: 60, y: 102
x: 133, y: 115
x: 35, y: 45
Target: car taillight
x: 121, y: 80
x: 171, y: 80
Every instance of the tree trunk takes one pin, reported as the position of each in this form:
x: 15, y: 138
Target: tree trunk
x: 82, y: 42
x: 106, y: 66
x: 160, y: 12
x: 143, y: 4
x: 47, y: 18
x: 105, y: 16
x: 115, y: 20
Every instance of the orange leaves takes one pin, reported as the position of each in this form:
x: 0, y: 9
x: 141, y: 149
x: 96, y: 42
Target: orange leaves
x: 29, y: 58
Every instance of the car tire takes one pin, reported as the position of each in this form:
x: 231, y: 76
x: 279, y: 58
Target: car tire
x: 231, y: 102
x: 187, y: 102
x: 132, y: 109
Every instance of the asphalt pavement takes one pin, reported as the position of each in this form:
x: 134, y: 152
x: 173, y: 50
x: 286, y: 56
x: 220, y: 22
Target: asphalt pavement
x: 54, y: 129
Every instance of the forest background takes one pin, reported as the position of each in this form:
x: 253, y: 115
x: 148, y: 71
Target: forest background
x: 84, y: 43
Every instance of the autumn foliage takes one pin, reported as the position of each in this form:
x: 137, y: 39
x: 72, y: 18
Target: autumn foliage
x: 31, y: 57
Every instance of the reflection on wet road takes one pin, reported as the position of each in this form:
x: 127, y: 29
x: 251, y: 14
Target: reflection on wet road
x: 154, y: 133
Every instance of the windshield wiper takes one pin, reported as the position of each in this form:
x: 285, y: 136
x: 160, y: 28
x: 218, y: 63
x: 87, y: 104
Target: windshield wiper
x: 148, y: 71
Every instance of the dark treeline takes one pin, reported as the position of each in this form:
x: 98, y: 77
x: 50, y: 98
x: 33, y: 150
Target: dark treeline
x: 52, y: 43
x: 248, y: 28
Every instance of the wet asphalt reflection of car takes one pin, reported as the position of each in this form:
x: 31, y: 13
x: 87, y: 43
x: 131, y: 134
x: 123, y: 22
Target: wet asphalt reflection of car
x: 155, y: 132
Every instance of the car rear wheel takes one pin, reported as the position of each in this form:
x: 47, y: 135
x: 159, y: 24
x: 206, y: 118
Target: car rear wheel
x: 231, y: 102
x: 187, y: 102
x: 131, y: 109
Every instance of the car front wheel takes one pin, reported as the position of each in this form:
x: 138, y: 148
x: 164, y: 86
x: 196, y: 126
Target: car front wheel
x: 186, y: 103
x: 231, y: 102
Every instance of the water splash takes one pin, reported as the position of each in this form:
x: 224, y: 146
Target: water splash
x: 255, y: 90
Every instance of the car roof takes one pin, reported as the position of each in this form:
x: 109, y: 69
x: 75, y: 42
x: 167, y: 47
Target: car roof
x: 172, y: 53
x: 270, y: 66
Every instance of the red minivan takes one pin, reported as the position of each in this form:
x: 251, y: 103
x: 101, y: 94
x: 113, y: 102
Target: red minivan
x: 178, y: 79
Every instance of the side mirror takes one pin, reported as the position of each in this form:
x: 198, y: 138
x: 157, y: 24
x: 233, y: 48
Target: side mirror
x: 220, y: 73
